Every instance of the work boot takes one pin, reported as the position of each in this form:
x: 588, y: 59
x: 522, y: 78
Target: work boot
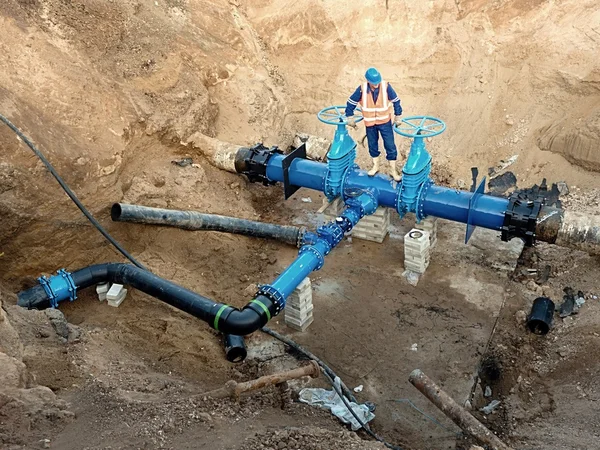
x: 394, y: 171
x: 375, y: 168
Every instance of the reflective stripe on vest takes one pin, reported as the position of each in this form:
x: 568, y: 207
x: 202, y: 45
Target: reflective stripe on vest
x: 376, y: 113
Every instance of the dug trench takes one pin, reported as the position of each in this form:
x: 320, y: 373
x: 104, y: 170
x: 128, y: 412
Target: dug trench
x: 110, y: 90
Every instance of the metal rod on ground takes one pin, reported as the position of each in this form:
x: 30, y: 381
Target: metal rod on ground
x: 280, y: 337
x: 454, y: 411
x: 234, y: 390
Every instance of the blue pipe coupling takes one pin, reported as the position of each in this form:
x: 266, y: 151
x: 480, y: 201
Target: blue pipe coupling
x: 59, y: 287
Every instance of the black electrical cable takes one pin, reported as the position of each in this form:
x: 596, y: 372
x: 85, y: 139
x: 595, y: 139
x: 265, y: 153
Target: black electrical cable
x: 309, y: 355
x: 331, y: 376
x: 70, y: 193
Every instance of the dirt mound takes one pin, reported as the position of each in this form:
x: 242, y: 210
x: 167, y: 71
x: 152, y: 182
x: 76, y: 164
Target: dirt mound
x: 309, y: 438
x: 574, y: 138
x: 29, y: 410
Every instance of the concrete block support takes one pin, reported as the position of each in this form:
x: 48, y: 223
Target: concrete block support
x: 416, y: 250
x: 429, y: 224
x: 102, y: 290
x: 299, y: 307
x: 116, y: 294
x: 370, y: 228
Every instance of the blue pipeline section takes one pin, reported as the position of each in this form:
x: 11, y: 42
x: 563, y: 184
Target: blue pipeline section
x: 312, y: 256
x: 452, y: 204
x: 302, y: 172
x: 59, y: 287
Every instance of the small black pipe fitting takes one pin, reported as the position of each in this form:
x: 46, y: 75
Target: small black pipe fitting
x: 235, y: 348
x: 539, y: 320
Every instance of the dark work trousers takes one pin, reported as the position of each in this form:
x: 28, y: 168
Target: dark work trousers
x: 387, y: 134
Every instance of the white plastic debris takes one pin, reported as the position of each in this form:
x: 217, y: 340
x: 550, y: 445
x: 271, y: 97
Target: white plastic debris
x: 411, y: 277
x: 331, y: 401
x: 414, y: 347
x: 487, y: 410
x: 358, y: 388
x: 487, y: 392
x: 307, y: 199
x: 579, y: 301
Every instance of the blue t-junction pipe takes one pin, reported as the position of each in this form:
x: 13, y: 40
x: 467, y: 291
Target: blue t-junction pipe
x: 452, y: 204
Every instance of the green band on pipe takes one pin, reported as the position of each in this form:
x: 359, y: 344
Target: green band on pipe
x: 216, y: 324
x: 262, y: 305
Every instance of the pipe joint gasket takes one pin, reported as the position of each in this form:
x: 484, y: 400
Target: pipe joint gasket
x: 315, y: 252
x: 520, y: 219
x: 254, y: 162
x: 272, y: 294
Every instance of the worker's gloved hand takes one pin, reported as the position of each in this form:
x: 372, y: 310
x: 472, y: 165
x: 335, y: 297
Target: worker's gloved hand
x: 397, y: 121
x: 351, y: 121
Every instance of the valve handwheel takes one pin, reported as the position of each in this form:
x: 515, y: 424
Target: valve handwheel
x: 420, y: 126
x: 334, y: 115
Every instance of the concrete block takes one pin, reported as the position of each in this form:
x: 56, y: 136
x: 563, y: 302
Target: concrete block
x: 301, y: 327
x: 116, y: 302
x: 304, y: 285
x: 102, y: 290
x: 296, y: 315
x: 416, y: 267
x: 416, y: 250
x: 429, y: 224
x: 116, y: 294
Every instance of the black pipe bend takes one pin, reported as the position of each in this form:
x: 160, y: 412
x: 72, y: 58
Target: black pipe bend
x: 222, y: 317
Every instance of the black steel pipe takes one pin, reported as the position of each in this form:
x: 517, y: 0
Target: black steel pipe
x: 221, y: 317
x: 192, y: 220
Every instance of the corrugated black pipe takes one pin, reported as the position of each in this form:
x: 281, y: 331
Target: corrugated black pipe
x: 221, y: 317
x: 192, y: 220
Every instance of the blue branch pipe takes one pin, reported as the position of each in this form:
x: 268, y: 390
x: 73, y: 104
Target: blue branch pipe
x: 312, y: 256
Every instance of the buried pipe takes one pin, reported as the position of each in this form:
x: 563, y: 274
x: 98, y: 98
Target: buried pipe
x: 192, y: 220
x: 454, y: 411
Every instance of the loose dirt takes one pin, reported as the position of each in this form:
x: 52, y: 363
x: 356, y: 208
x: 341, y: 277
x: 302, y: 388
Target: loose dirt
x: 110, y: 90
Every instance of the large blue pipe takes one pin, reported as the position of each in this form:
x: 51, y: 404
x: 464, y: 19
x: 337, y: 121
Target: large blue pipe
x: 452, y: 204
x: 302, y: 172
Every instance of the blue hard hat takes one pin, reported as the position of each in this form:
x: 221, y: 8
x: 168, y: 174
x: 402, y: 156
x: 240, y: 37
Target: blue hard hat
x: 373, y: 76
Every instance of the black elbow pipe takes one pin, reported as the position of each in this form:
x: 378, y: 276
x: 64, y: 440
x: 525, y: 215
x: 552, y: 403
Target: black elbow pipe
x: 221, y: 317
x: 192, y: 220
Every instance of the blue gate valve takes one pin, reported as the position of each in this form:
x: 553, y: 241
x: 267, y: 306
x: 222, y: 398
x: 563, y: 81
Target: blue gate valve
x: 415, y: 173
x: 342, y: 152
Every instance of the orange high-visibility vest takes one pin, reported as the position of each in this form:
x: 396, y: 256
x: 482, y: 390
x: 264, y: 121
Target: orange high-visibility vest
x: 376, y: 113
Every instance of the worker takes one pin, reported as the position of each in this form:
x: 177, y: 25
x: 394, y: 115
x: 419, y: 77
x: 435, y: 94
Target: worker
x: 376, y: 98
